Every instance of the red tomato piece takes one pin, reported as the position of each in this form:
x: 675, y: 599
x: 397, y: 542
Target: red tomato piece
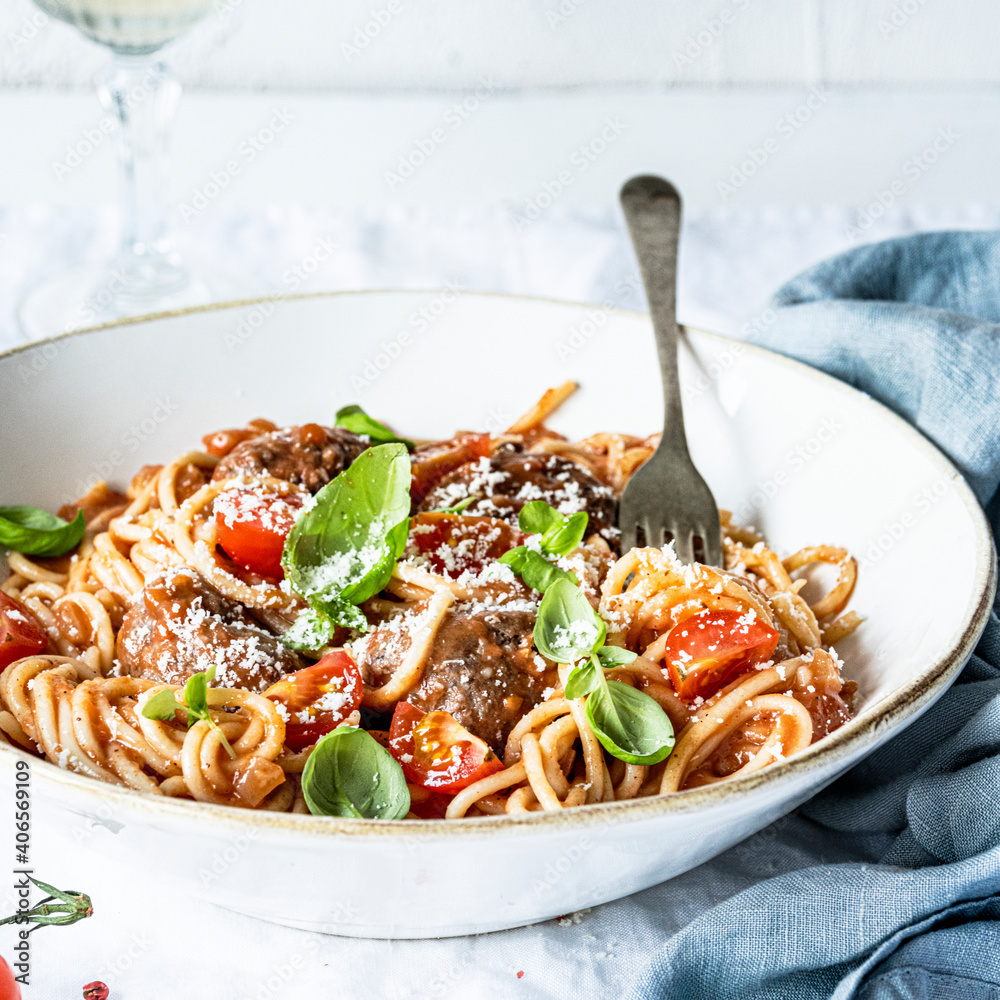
x: 251, y: 527
x: 221, y: 443
x: 317, y: 698
x: 711, y: 648
x: 432, y: 462
x: 9, y: 988
x: 456, y: 543
x: 21, y: 633
x: 437, y: 752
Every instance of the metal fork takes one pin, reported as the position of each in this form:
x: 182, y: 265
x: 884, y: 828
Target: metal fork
x: 666, y: 498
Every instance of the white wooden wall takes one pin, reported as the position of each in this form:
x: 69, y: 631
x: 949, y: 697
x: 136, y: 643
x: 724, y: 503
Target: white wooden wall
x: 452, y: 44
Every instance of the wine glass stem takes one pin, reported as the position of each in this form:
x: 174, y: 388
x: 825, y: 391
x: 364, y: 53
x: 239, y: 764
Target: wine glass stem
x: 142, y: 94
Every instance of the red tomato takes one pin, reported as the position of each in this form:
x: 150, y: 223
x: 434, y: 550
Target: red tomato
x: 437, y: 752
x: 221, y: 443
x: 711, y: 648
x: 454, y: 543
x: 9, y: 989
x: 252, y: 527
x: 317, y: 698
x: 432, y: 462
x: 21, y: 634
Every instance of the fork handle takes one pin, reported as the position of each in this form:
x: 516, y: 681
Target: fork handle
x: 652, y: 210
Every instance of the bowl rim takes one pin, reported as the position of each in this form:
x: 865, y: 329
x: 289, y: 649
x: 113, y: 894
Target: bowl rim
x: 903, y: 703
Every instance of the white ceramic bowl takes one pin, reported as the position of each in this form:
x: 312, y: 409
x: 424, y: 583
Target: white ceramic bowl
x: 803, y: 457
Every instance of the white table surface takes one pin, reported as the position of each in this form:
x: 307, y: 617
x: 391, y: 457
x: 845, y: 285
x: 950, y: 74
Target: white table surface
x: 148, y: 941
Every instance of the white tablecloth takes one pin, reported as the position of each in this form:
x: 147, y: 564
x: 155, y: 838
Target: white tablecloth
x: 146, y: 939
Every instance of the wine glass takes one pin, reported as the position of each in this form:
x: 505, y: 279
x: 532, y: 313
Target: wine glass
x: 141, y: 94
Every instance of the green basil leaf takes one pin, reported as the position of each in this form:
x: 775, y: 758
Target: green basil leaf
x: 162, y: 706
x: 351, y: 774
x: 515, y: 558
x: 539, y: 573
x: 312, y: 630
x: 615, y: 656
x: 342, y: 550
x: 196, y: 701
x: 196, y: 694
x: 537, y: 517
x: 36, y: 532
x: 562, y: 538
x: 583, y: 679
x: 567, y: 629
x: 630, y: 725
x: 353, y: 418
x: 532, y: 567
x: 560, y: 535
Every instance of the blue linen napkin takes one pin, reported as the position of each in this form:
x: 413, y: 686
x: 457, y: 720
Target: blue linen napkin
x: 915, y: 323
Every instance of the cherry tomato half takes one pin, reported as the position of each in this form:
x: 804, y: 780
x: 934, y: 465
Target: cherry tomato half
x: 456, y: 543
x: 21, y: 634
x: 9, y: 989
x: 437, y: 752
x: 317, y: 698
x: 711, y: 648
x: 252, y: 527
x: 432, y: 462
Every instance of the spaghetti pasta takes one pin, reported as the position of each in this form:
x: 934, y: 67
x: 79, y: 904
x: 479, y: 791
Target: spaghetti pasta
x: 155, y: 593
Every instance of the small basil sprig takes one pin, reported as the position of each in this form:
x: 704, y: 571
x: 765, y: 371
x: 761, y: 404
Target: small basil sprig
x: 350, y: 774
x: 559, y: 536
x: 629, y: 724
x: 164, y: 705
x: 455, y: 508
x: 353, y: 418
x: 36, y: 532
x: 58, y: 908
x: 342, y: 550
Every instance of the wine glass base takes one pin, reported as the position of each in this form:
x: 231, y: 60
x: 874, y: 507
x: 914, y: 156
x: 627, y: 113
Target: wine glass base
x: 92, y: 295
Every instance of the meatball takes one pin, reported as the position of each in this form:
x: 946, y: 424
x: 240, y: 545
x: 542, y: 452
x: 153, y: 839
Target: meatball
x: 181, y: 625
x: 481, y: 668
x: 309, y: 455
x: 504, y: 483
